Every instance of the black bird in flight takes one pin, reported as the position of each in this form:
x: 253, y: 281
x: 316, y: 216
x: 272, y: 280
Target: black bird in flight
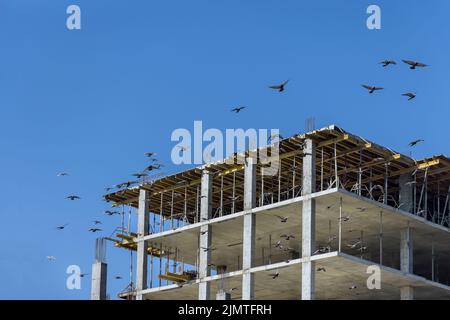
x: 410, y: 95
x: 287, y: 236
x: 82, y: 275
x: 385, y: 63
x: 413, y: 64
x: 153, y: 167
x: 279, y: 87
x: 282, y: 219
x: 94, y: 229
x: 274, y: 275
x: 125, y: 184
x: 372, y: 89
x: 237, y: 109
x: 415, y: 142
x: 150, y: 154
x: 73, y: 197
x: 321, y: 269
x: 140, y: 175
x: 97, y: 222
x: 117, y: 277
x: 62, y: 174
x: 62, y: 227
x: 111, y: 213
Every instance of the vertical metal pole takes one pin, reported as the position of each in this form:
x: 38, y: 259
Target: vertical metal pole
x: 381, y: 237
x: 293, y: 179
x: 321, y: 171
x: 221, y: 196
x: 386, y: 183
x: 171, y: 211
x: 161, y: 215
x: 234, y: 192
x: 340, y: 224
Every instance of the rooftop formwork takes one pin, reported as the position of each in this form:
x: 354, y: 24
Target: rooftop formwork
x: 337, y: 204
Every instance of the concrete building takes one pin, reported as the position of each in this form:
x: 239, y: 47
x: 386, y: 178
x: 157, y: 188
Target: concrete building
x: 340, y: 213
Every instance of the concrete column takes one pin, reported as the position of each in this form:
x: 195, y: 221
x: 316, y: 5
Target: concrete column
x: 406, y: 192
x: 406, y: 260
x: 248, y: 253
x: 308, y: 219
x: 142, y: 246
x: 204, y: 288
x: 98, y: 284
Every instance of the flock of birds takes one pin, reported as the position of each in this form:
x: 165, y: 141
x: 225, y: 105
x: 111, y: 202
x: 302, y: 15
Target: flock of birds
x: 96, y: 223
x: 356, y: 244
x: 154, y: 165
x: 412, y: 65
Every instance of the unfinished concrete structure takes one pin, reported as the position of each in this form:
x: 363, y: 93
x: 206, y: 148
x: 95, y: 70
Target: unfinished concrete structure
x: 337, y: 205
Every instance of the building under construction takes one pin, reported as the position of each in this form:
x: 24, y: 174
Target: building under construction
x: 338, y: 208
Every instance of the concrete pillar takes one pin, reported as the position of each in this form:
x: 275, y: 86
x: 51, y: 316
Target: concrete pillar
x: 406, y: 192
x: 248, y: 253
x: 204, y: 288
x: 222, y: 295
x: 98, y: 284
x: 308, y: 219
x: 142, y: 246
x: 406, y: 260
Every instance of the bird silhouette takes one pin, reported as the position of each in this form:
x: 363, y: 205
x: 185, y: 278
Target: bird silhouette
x: 282, y: 219
x: 415, y: 142
x: 279, y: 87
x: 73, y: 197
x: 62, y: 174
x: 385, y: 63
x: 413, y: 64
x: 410, y: 95
x: 237, y: 109
x: 274, y: 275
x: 372, y: 89
x: 62, y: 226
x: 94, y: 229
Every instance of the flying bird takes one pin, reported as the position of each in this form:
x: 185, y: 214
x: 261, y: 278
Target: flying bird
x: 111, y: 213
x: 344, y: 219
x: 140, y: 175
x: 413, y: 64
x: 282, y: 219
x: 206, y: 249
x: 237, y: 109
x: 73, y: 197
x: 62, y: 174
x: 97, y: 222
x: 410, y: 95
x: 279, y: 87
x: 149, y: 154
x: 385, y: 63
x: 352, y: 287
x: 62, y: 226
x: 51, y: 258
x: 82, y: 275
x: 372, y: 89
x: 117, y: 277
x: 274, y: 275
x: 287, y: 236
x: 321, y: 250
x: 94, y: 229
x: 153, y: 167
x: 415, y: 142
x: 321, y: 269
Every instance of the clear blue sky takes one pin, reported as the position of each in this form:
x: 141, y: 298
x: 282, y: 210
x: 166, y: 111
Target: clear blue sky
x: 92, y: 101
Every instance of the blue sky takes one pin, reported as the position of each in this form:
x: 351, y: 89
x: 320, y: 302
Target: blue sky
x: 92, y: 101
